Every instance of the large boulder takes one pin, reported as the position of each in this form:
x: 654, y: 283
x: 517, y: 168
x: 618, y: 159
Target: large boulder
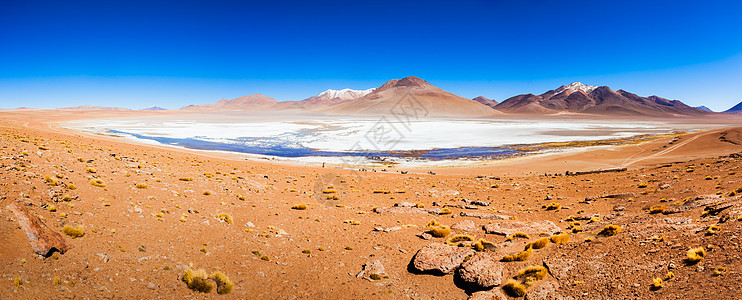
x: 509, y: 227
x: 488, y: 295
x: 482, y: 271
x: 43, y: 240
x: 437, y: 257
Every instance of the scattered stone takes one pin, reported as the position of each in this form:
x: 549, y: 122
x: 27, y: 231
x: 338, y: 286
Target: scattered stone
x: 372, y: 270
x: 481, y: 215
x: 546, y: 291
x: 466, y: 225
x: 488, y: 295
x: 482, y: 271
x: 507, y: 228
x: 440, y: 258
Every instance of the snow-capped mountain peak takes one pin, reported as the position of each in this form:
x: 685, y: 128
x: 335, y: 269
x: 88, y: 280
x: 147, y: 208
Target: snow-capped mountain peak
x: 576, y: 86
x: 344, y: 94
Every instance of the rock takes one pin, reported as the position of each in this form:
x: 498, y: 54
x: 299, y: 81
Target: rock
x: 404, y: 204
x: 395, y: 228
x: 509, y: 227
x: 480, y: 203
x: 439, y: 257
x: 482, y: 271
x: 151, y: 286
x: 559, y: 267
x: 466, y: 225
x: 372, y: 267
x: 546, y: 291
x: 43, y: 240
x: 481, y: 215
x: 426, y: 236
x: 405, y: 210
x: 488, y: 295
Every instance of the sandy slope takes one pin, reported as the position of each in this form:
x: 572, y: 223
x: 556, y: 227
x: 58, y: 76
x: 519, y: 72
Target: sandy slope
x: 121, y: 219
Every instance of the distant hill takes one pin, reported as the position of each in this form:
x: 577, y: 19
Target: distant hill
x: 93, y: 107
x: 702, y: 107
x: 581, y: 98
x: 326, y: 98
x: 486, y: 101
x: 256, y: 101
x: 412, y: 93
x: 154, y: 108
x: 735, y: 109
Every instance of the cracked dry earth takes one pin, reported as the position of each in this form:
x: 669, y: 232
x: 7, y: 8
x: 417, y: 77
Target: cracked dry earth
x: 362, y: 235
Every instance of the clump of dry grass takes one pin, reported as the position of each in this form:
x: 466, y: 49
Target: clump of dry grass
x: 560, y: 238
x: 329, y: 191
x: 457, y: 239
x: 514, y: 288
x: 552, y: 206
x: 538, y: 244
x: 91, y: 170
x: 713, y: 229
x: 718, y: 271
x: 483, y: 244
x: 656, y: 283
x: 223, y: 284
x: 520, y: 235
x: 98, y: 182
x: 206, y: 193
x: 224, y: 217
x: 352, y: 222
x: 518, y: 256
x: 445, y: 211
x: 695, y: 255
x: 141, y: 185
x: 185, y: 178
x: 51, y: 208
x: 610, y: 230
x: 439, y: 231
x: 656, y: 209
x: 300, y: 206
x: 531, y: 274
x: 197, y: 280
x: 75, y: 232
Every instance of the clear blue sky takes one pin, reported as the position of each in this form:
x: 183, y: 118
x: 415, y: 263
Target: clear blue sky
x: 140, y: 53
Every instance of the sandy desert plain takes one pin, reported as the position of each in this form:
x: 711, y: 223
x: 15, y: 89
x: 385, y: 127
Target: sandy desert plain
x: 666, y: 227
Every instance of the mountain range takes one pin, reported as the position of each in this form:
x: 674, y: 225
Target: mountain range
x: 414, y: 95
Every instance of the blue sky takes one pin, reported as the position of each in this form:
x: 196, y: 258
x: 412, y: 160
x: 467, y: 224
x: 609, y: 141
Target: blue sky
x: 138, y: 53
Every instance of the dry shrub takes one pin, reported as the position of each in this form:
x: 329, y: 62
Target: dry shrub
x: 225, y: 218
x: 223, y: 284
x: 75, y: 232
x: 456, y: 239
x: 656, y: 283
x: 531, y: 274
x: 483, y: 244
x: 695, y: 255
x: 141, y: 185
x: 197, y: 280
x: 610, y: 230
x: 518, y: 256
x: 560, y: 238
x: 520, y: 235
x: 439, y: 231
x: 185, y: 178
x: 552, y: 206
x: 538, y: 244
x: 300, y: 206
x: 657, y: 209
x: 98, y: 182
x: 514, y: 288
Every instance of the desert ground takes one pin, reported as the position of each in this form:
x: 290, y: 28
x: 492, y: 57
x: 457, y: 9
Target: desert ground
x: 667, y: 227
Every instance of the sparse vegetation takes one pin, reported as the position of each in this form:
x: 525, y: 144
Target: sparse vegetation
x: 610, y: 230
x: 514, y: 288
x: 223, y: 284
x: 457, y: 239
x: 97, y: 182
x: 531, y: 274
x: 656, y: 283
x: 695, y: 255
x: 482, y: 245
x: 656, y: 209
x: 538, y: 244
x: 197, y: 280
x: 225, y: 218
x: 552, y: 206
x: 520, y: 235
x: 73, y: 232
x: 560, y: 238
x: 300, y: 206
x: 518, y: 256
x: 141, y: 185
x: 439, y: 231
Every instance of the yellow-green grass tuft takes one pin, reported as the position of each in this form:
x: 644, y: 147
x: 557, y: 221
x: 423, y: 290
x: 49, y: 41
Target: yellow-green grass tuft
x: 300, y: 206
x: 197, y: 280
x: 440, y: 231
x: 552, y: 206
x: 518, y: 256
x: 610, y: 230
x: 75, y: 232
x: 223, y: 284
x: 225, y: 218
x: 560, y: 238
x: 657, y: 209
x: 520, y: 235
x: 514, y: 288
x: 531, y: 274
x: 695, y: 255
x: 538, y: 244
x: 141, y: 185
x: 98, y: 182
x: 185, y: 178
x: 456, y: 239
